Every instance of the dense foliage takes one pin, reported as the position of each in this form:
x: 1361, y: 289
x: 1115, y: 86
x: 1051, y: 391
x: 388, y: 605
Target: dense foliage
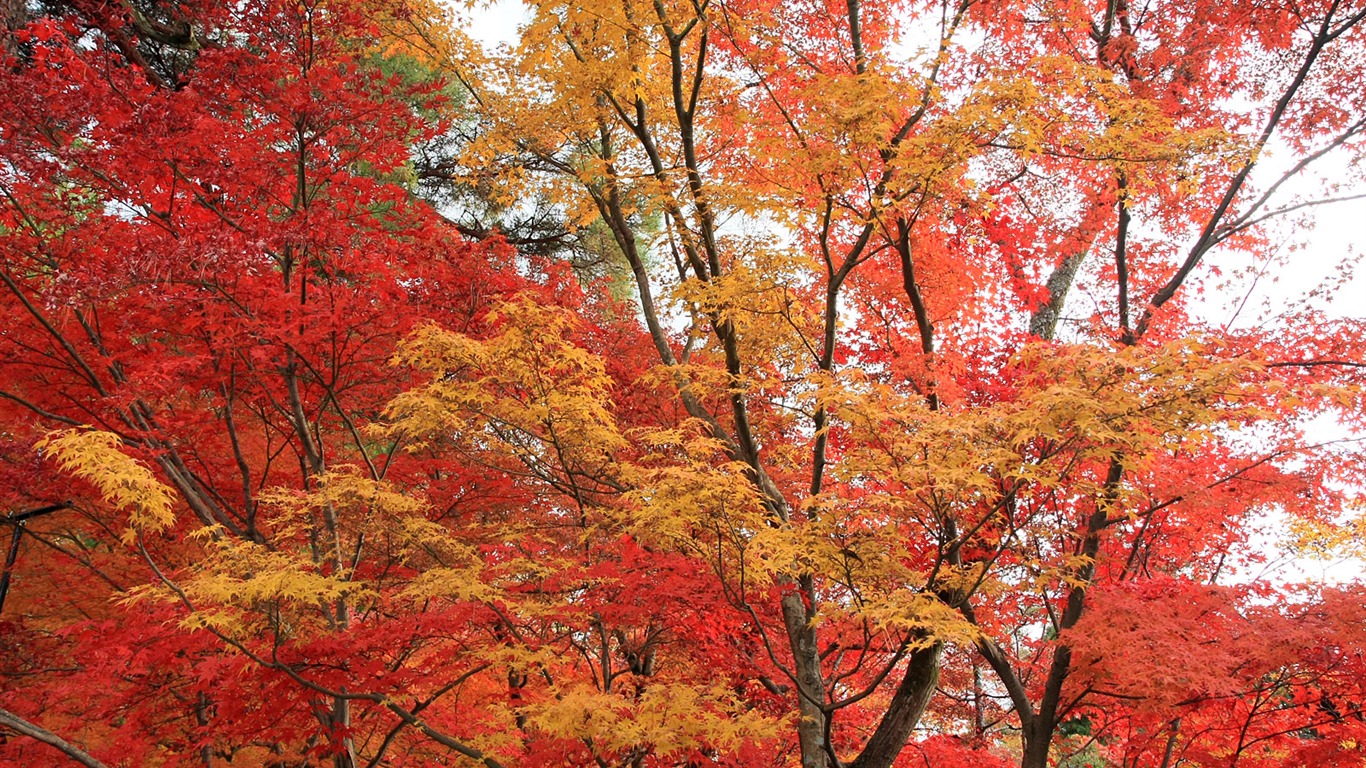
x: 698, y: 382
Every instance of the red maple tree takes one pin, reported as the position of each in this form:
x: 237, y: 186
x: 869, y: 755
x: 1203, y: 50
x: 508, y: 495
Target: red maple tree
x: 856, y: 414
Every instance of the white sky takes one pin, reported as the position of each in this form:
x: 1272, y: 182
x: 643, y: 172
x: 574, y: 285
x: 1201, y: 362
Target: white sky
x: 494, y: 24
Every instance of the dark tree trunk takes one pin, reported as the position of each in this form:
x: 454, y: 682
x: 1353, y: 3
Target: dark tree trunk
x: 908, y: 704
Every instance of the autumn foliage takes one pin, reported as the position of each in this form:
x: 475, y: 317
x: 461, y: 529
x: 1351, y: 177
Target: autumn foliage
x: 722, y: 383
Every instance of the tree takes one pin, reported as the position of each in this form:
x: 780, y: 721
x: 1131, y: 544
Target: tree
x: 869, y: 249
x: 911, y: 447
x: 206, y: 278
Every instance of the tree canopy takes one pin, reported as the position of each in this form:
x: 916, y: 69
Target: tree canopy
x: 693, y: 383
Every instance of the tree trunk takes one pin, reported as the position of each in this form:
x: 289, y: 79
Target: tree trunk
x: 908, y: 704
x: 806, y: 661
x: 13, y: 17
x: 22, y: 726
x: 1037, y: 741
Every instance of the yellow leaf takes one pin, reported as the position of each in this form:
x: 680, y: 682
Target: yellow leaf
x: 123, y: 481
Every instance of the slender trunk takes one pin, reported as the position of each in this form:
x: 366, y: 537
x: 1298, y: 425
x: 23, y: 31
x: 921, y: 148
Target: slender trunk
x: 1038, y: 733
x: 201, y: 718
x: 1044, y: 322
x: 23, y: 727
x: 13, y: 17
x: 908, y: 704
x: 979, y: 714
x: 1171, y: 743
x: 341, y: 721
x: 11, y: 556
x: 810, y: 683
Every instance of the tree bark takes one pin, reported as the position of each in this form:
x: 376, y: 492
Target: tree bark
x: 810, y: 683
x: 1044, y: 322
x: 908, y: 704
x: 24, y: 727
x: 13, y: 17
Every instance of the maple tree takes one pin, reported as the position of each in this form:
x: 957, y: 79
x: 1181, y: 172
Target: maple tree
x: 826, y: 401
